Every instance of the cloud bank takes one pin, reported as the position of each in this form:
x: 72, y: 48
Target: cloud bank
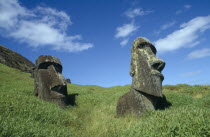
x: 189, y: 74
x: 186, y: 36
x: 132, y: 13
x: 39, y: 27
x: 165, y: 27
x: 184, y: 9
x: 199, y: 53
x: 124, y: 42
x: 126, y: 30
x: 168, y: 25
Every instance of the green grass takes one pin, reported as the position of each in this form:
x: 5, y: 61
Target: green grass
x: 24, y: 115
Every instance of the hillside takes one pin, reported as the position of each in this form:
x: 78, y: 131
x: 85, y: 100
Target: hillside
x: 93, y: 113
x: 15, y: 60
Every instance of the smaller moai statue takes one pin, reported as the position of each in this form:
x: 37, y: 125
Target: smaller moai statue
x: 49, y: 83
x: 32, y: 71
x: 146, y: 89
x: 68, y: 81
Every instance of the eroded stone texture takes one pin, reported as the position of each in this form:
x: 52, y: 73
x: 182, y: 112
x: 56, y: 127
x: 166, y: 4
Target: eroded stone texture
x: 49, y: 82
x: 146, y: 89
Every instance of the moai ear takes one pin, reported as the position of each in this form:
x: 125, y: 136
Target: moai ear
x: 132, y: 67
x: 133, y: 62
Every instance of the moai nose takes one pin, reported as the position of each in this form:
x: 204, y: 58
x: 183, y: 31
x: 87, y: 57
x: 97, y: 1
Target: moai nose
x: 158, y: 64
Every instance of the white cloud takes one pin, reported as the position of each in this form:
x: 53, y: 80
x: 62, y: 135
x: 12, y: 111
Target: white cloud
x: 168, y: 25
x: 30, y: 32
x: 179, y: 11
x: 189, y: 74
x: 199, y: 53
x: 125, y: 30
x: 185, y: 8
x: 186, y: 36
x: 42, y: 26
x: 132, y: 13
x: 53, y: 17
x: 165, y: 26
x: 10, y: 12
x: 124, y: 42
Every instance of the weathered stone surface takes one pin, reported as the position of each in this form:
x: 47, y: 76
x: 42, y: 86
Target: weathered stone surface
x: 15, y: 60
x: 134, y: 103
x: 49, y: 83
x: 146, y: 89
x: 146, y: 68
x: 68, y: 80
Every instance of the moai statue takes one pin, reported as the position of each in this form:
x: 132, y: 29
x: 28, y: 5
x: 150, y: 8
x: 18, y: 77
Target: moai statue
x: 68, y: 81
x: 49, y: 83
x: 146, y: 89
x: 32, y: 71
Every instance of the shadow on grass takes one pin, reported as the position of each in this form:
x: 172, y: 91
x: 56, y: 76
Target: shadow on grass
x: 71, y: 99
x: 163, y: 103
x: 160, y: 103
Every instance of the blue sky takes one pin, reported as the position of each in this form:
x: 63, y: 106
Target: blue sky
x: 93, y: 38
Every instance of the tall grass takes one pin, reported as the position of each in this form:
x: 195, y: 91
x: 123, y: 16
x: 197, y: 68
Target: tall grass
x: 94, y: 115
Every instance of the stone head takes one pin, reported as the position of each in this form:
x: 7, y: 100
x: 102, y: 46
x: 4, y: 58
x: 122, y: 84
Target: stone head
x: 146, y: 68
x: 49, y: 81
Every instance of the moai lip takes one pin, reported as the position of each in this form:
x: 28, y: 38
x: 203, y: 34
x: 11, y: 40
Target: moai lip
x: 146, y: 89
x: 49, y: 82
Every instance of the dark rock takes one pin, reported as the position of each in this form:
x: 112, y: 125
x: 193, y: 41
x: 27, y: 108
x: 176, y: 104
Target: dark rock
x: 68, y: 81
x: 146, y: 89
x: 49, y: 83
x: 15, y: 60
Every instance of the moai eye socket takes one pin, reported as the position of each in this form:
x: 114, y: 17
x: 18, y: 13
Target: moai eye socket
x: 45, y: 65
x: 140, y: 46
x: 58, y: 67
x: 144, y: 45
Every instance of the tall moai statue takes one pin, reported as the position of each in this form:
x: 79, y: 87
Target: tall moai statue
x: 49, y: 83
x: 146, y: 89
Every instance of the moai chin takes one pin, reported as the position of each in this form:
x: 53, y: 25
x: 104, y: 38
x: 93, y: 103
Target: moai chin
x: 49, y: 82
x: 145, y: 70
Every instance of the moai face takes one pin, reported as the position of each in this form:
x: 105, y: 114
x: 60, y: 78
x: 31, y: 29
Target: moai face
x: 146, y: 68
x: 49, y: 82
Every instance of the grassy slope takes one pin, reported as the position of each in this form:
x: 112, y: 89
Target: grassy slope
x: 22, y: 114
